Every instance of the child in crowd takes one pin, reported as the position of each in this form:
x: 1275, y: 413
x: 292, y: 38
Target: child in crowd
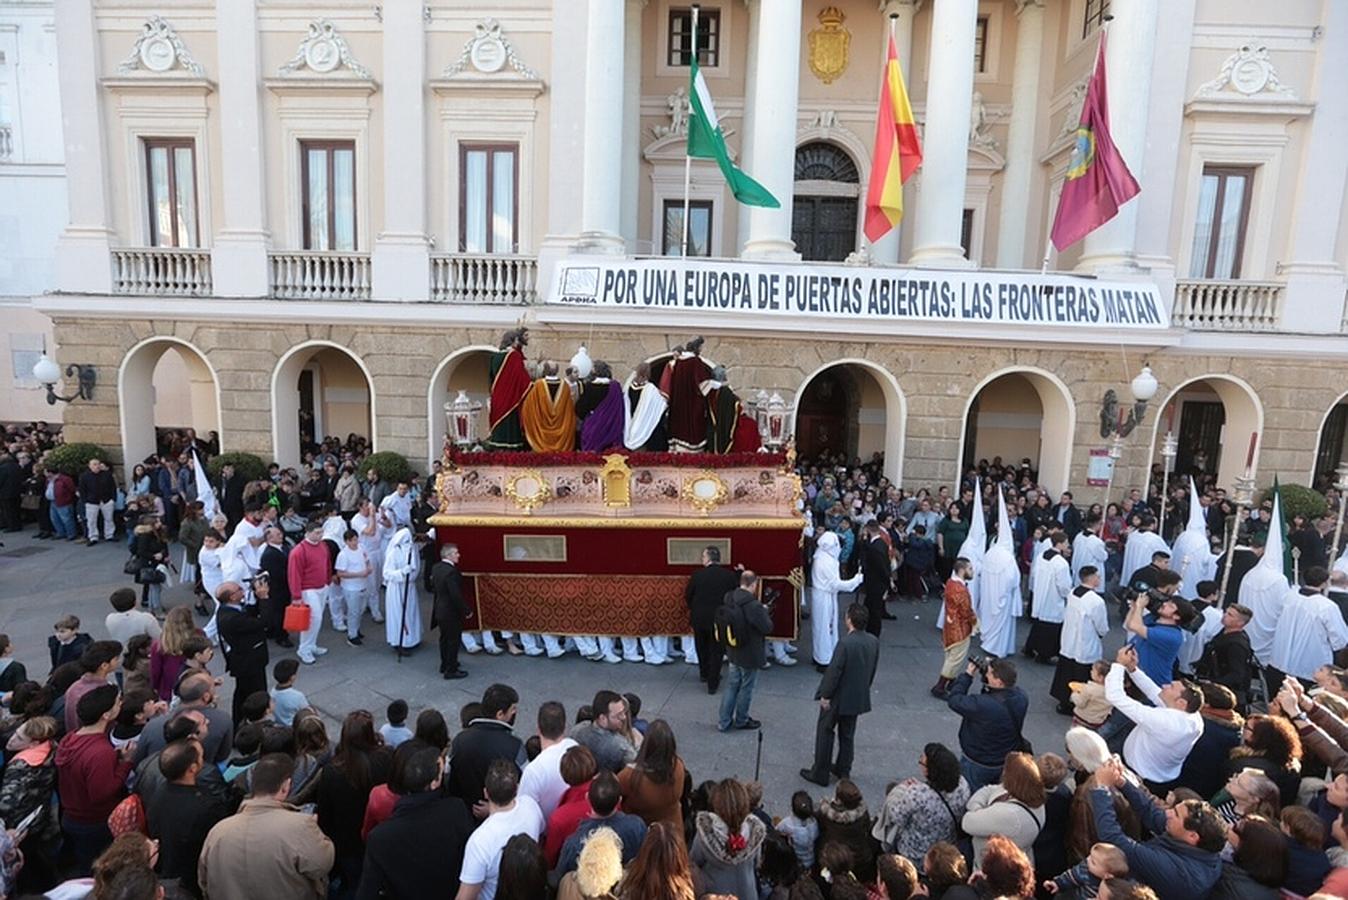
x: 1103, y: 862
x: 1090, y: 709
x: 68, y: 643
x: 634, y: 711
x: 353, y: 569
x: 286, y: 699
x: 395, y: 730
x: 801, y: 828
x: 197, y: 656
x: 247, y: 751
x: 256, y: 709
x: 136, y: 664
x: 12, y: 672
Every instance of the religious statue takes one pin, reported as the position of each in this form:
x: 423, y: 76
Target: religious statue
x: 1111, y: 420
x: 643, y: 411
x: 509, y: 384
x: 728, y: 428
x: 601, y: 411
x: 686, y: 382
x: 979, y: 133
x: 548, y: 413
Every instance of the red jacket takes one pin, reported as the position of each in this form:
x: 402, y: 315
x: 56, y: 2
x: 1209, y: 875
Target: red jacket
x: 309, y: 568
x: 90, y: 776
x: 63, y: 489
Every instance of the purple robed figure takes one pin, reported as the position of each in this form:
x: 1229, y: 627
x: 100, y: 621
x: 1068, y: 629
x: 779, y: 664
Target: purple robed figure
x: 603, y: 427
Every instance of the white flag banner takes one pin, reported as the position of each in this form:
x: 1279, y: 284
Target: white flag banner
x: 205, y: 493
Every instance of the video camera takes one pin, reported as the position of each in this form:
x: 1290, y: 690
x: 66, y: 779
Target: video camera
x: 980, y: 663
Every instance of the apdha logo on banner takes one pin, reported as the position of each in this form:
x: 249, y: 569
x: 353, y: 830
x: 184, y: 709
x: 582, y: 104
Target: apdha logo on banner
x: 862, y: 293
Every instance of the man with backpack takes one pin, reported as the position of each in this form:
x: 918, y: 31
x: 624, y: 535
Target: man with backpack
x: 741, y: 625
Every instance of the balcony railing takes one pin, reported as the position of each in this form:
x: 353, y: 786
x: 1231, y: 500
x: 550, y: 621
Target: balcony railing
x: 1228, y: 305
x: 483, y: 278
x: 166, y: 271
x: 6, y: 141
x: 319, y: 275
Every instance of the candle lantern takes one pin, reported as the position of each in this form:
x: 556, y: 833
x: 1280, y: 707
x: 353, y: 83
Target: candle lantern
x: 461, y: 420
x: 760, y: 407
x: 772, y: 427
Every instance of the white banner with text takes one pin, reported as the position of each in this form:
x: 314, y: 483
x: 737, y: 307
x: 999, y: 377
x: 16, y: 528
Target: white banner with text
x: 862, y: 293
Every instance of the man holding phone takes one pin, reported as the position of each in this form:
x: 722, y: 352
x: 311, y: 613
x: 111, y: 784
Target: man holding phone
x: 1165, y: 731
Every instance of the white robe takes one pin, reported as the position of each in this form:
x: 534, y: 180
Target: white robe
x: 1085, y: 622
x: 999, y: 601
x: 1050, y: 589
x: 402, y: 563
x: 1088, y: 550
x: 1193, y: 559
x: 1137, y: 552
x: 1264, y: 590
x: 373, y: 545
x: 1310, y: 630
x: 1037, y: 560
x: 825, y: 583
x: 1341, y: 564
x: 638, y: 424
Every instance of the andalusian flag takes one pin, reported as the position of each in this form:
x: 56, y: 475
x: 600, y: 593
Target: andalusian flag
x: 1098, y: 181
x: 897, y: 152
x: 705, y: 141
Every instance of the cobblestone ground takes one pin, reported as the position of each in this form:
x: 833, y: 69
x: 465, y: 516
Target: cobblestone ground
x: 41, y: 580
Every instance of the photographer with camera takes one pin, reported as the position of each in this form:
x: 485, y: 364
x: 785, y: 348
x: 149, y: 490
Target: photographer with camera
x: 991, y: 720
x: 1157, y: 618
x: 243, y: 637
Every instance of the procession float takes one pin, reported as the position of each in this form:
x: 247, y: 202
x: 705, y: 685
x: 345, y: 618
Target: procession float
x: 589, y: 502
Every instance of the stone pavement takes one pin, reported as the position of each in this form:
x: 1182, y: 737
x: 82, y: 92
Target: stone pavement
x: 41, y: 580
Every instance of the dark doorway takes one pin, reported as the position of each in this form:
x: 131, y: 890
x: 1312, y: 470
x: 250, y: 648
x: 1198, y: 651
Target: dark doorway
x: 1330, y: 454
x: 306, y: 417
x: 1200, y: 437
x: 823, y: 418
x: 824, y: 228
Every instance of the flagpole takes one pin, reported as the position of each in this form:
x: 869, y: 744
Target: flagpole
x: 1048, y: 251
x: 688, y: 160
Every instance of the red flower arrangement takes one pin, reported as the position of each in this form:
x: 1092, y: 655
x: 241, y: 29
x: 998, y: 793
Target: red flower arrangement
x: 634, y: 460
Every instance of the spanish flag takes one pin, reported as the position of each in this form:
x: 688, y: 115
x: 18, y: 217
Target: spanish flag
x: 897, y: 152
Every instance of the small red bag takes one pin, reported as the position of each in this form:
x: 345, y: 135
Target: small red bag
x: 297, y: 617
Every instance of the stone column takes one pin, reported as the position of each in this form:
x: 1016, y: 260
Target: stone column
x: 1128, y: 65
x: 566, y: 140
x: 886, y: 250
x: 1013, y: 229
x: 401, y: 265
x: 631, y: 168
x: 1315, y: 277
x: 1169, y: 92
x: 83, y: 252
x: 601, y: 205
x: 747, y: 124
x: 239, y: 252
x: 945, y: 151
x: 773, y: 142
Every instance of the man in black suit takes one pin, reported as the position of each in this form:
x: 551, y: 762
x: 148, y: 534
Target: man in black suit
x: 1068, y: 516
x: 449, y: 610
x: 843, y: 695
x: 275, y: 555
x: 244, y: 639
x: 875, y: 576
x: 231, y: 495
x: 706, y: 590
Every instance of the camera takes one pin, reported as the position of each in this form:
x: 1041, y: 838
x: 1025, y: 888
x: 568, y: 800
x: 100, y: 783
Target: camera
x: 980, y: 663
x: 771, y: 596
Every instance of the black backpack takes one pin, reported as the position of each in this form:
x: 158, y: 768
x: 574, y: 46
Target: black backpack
x: 726, y: 625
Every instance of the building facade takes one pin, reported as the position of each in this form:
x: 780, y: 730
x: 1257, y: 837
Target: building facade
x: 322, y: 217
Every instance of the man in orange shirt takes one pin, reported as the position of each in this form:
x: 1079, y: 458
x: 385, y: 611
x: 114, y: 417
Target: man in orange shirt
x: 959, y: 625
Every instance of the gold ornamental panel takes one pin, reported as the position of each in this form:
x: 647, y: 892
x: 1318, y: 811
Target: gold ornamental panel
x: 829, y: 45
x: 705, y: 491
x: 528, y: 489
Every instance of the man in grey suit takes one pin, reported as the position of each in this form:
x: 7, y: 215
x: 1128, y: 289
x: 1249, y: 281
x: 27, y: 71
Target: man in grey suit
x: 844, y: 693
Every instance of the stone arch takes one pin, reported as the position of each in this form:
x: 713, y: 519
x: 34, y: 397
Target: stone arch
x: 345, y: 412
x: 1242, y: 415
x: 198, y: 395
x: 1028, y: 392
x: 890, y: 432
x: 457, y: 371
x: 1331, y: 445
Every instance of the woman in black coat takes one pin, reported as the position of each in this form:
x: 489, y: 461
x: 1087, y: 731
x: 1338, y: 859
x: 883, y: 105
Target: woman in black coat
x: 344, y: 784
x: 150, y: 549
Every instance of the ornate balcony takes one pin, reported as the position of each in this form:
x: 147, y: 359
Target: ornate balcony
x: 484, y: 278
x: 319, y: 275
x: 1228, y: 305
x: 163, y: 271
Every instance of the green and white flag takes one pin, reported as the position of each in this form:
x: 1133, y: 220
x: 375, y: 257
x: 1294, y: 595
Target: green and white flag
x: 705, y: 141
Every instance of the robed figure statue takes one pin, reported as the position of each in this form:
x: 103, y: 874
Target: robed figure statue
x: 509, y: 383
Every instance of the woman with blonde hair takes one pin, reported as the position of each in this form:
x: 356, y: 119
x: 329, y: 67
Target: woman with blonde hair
x: 661, y: 870
x: 167, y: 656
x: 598, y: 870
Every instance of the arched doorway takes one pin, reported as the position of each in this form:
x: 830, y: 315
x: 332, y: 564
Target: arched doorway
x: 165, y: 384
x: 824, y: 208
x: 319, y: 389
x: 1213, y: 418
x: 463, y: 370
x: 852, y: 407
x: 1330, y: 451
x: 1022, y: 414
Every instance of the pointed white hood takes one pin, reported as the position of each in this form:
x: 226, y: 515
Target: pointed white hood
x: 976, y: 544
x: 828, y: 543
x: 1273, y: 554
x: 1001, y: 556
x: 1004, y: 539
x: 1197, y: 521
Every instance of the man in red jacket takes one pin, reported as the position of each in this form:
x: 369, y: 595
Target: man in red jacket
x: 91, y: 775
x: 60, y: 489
x: 308, y: 573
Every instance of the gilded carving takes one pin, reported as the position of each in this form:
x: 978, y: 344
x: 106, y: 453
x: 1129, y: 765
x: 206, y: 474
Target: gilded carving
x: 829, y: 45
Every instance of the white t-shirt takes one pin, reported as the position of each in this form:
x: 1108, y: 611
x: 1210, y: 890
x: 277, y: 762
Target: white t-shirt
x: 370, y: 543
x: 482, y: 856
x: 542, y: 779
x: 352, y: 561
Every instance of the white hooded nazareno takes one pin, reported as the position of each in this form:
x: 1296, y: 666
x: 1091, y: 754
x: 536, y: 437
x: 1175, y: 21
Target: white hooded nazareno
x: 825, y: 582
